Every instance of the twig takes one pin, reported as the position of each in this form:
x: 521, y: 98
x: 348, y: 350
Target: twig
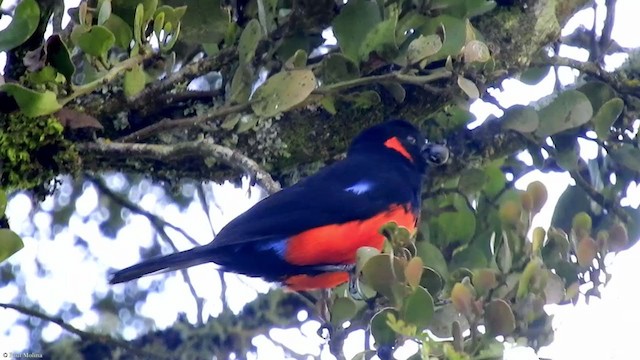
x: 188, y: 72
x: 111, y: 75
x: 605, y: 38
x: 385, y: 78
x: 594, y: 50
x: 155, y: 220
x: 589, y: 68
x: 170, y: 98
x: 200, y: 148
x: 159, y: 225
x: 99, y: 338
x: 599, y: 198
x: 205, y: 206
x: 169, y: 124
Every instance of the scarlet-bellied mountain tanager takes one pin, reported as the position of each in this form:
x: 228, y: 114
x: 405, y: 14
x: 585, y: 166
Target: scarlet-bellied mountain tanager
x: 306, y: 236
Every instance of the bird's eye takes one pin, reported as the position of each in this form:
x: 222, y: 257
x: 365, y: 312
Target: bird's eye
x: 411, y: 140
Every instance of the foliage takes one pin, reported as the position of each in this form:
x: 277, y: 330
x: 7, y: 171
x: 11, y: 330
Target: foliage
x: 278, y: 99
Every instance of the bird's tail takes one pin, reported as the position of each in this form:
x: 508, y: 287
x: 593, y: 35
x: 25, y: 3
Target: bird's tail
x: 196, y: 256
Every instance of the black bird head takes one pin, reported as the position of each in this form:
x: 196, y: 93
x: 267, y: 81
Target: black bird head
x: 402, y: 139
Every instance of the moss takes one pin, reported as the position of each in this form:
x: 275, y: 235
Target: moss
x: 33, y: 151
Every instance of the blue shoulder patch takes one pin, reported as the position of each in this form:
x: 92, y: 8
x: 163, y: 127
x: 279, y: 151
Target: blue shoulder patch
x: 277, y: 246
x: 360, y: 187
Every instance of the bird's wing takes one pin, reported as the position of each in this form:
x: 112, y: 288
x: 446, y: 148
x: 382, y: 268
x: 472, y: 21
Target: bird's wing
x: 346, y: 191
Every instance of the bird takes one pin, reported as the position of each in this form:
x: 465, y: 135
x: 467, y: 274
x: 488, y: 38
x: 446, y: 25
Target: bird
x: 306, y: 236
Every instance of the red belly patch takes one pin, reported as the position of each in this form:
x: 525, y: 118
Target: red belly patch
x: 322, y: 281
x: 337, y: 244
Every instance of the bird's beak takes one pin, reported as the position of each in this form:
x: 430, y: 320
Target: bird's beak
x: 435, y: 154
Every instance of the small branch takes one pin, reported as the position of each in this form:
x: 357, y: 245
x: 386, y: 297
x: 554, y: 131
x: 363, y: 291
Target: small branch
x: 205, y: 206
x: 170, y: 98
x: 159, y: 225
x: 200, y: 148
x: 111, y: 75
x: 168, y: 124
x: 592, y: 69
x: 385, y: 78
x: 605, y: 38
x: 99, y: 338
x: 188, y: 72
x: 600, y: 199
x: 155, y: 220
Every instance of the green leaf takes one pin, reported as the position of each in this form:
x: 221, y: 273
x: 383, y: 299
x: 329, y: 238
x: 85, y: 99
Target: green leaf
x: 468, y: 257
x: 150, y: 7
x: 247, y: 122
x: 381, y: 272
x: 121, y: 31
x: 534, y: 75
x: 453, y: 116
x: 58, y: 56
x: 363, y: 254
x: 471, y: 180
x: 454, y: 30
x: 381, y: 39
x: 499, y: 318
x: 204, y: 20
x: 468, y: 87
x: 380, y: 330
x: 283, y: 91
x: 397, y: 91
x: 328, y: 103
x: 495, y: 181
x: 45, y: 75
x: 418, y: 308
x: 520, y: 118
x: 606, y: 116
x: 432, y: 257
x: 431, y: 281
x: 97, y: 41
x: 353, y: 24
x: 343, y: 309
x: 534, y: 266
x: 249, y: 40
x: 297, y: 60
x: 170, y: 40
x: 22, y: 26
x: 554, y: 290
x: 569, y: 110
x: 10, y: 243
x: 363, y: 99
x: 476, y: 51
x: 443, y: 319
x: 134, y: 81
x: 459, y: 226
x: 3, y: 202
x: 422, y: 48
x: 598, y: 93
x: 32, y: 103
x: 627, y: 156
x: 104, y: 12
x: 171, y: 15
x: 462, y: 297
x: 241, y: 84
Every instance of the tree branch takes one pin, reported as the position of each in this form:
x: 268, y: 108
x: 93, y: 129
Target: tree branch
x: 167, y: 153
x: 169, y: 124
x: 85, y: 335
x: 605, y: 203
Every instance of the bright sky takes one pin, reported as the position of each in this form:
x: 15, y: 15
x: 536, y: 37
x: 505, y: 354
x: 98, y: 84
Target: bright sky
x: 605, y: 329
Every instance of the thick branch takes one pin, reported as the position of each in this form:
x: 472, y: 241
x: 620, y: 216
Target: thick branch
x: 169, y: 153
